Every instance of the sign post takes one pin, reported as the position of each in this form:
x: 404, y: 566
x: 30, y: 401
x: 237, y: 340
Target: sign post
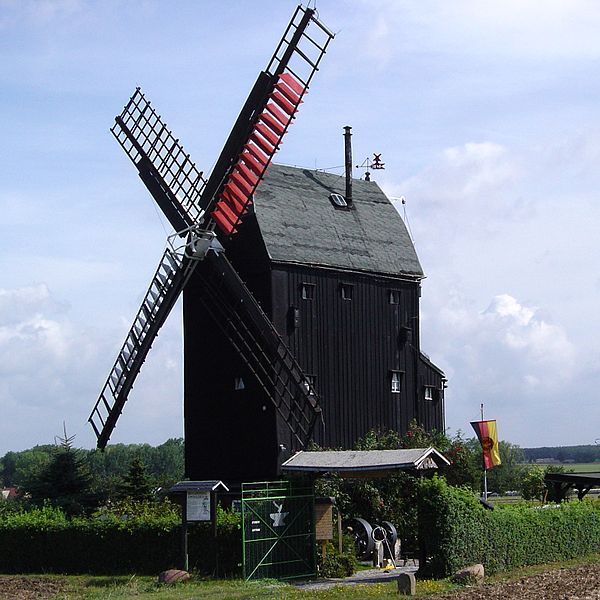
x: 198, y: 503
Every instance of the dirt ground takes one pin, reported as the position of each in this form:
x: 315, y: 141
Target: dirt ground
x: 29, y: 588
x: 576, y: 583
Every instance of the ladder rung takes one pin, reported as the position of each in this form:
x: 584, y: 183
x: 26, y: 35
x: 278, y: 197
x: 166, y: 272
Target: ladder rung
x: 306, y: 58
x: 249, y: 160
x: 222, y: 222
x: 228, y: 213
x: 314, y: 42
x: 265, y: 132
x: 289, y: 94
x: 162, y: 278
x: 232, y: 201
x: 248, y: 174
x: 235, y: 191
x: 263, y: 144
x: 272, y: 123
x: 292, y: 82
x: 241, y: 183
x: 172, y: 261
x: 258, y: 154
x: 283, y: 102
x: 282, y: 117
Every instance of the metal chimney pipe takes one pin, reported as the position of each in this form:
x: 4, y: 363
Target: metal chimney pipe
x: 348, y: 163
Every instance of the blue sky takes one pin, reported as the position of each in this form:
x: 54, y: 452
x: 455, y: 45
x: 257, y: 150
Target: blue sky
x: 488, y: 120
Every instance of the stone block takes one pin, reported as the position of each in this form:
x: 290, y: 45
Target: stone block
x: 471, y: 575
x: 407, y: 584
x: 173, y: 576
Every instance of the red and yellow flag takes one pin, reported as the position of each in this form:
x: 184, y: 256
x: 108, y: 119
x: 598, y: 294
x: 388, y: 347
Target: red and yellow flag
x: 488, y: 436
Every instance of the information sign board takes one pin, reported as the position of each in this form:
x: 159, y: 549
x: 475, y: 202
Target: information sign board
x: 198, y: 506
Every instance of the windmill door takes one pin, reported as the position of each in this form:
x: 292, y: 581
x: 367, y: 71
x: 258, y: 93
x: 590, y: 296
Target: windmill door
x: 278, y: 530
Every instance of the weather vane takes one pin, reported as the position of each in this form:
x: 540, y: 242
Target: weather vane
x: 374, y: 164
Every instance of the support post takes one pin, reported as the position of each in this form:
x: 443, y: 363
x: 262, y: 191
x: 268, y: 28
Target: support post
x: 340, y: 540
x: 184, y: 535
x: 485, y: 490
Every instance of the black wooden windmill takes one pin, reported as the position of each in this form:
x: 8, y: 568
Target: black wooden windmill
x: 209, y: 214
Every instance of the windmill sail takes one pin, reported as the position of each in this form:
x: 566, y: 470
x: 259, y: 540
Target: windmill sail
x: 195, y: 206
x: 265, y: 119
x: 174, y: 269
x: 164, y: 166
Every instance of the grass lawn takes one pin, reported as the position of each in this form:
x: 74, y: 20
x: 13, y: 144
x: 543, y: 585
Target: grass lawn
x: 125, y: 587
x: 121, y: 588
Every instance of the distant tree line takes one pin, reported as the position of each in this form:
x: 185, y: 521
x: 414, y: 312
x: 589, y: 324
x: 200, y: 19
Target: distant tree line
x: 79, y: 480
x: 578, y: 454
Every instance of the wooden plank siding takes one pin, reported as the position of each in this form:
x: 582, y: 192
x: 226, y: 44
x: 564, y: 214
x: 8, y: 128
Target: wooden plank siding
x: 351, y: 347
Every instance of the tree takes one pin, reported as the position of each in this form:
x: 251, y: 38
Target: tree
x: 8, y: 467
x: 136, y: 485
x: 64, y: 481
x: 509, y: 474
x: 465, y: 464
x: 532, y: 485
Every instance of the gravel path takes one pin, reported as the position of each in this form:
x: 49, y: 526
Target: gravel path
x: 364, y: 576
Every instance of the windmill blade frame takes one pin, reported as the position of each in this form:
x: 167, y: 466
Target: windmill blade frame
x: 196, y: 207
x: 174, y: 269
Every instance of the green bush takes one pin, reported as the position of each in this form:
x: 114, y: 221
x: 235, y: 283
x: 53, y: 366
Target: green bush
x: 336, y: 564
x: 456, y: 530
x: 44, y: 540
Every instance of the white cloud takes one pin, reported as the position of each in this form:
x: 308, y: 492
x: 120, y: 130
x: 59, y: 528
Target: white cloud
x: 509, y: 356
x: 522, y: 28
x: 546, y: 354
x: 469, y: 192
x: 52, y: 369
x: 18, y: 305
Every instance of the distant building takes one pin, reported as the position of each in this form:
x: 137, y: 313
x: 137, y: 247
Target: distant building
x: 9, y: 493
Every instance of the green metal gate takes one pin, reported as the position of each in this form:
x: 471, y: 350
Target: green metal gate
x: 278, y: 530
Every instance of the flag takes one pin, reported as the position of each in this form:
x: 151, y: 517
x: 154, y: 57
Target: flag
x: 488, y: 436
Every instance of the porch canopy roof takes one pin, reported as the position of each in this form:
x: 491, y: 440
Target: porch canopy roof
x: 364, y: 463
x: 563, y: 482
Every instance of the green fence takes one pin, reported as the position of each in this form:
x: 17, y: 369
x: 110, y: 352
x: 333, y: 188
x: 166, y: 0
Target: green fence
x: 278, y: 530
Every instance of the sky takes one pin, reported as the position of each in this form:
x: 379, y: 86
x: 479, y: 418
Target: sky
x: 486, y: 115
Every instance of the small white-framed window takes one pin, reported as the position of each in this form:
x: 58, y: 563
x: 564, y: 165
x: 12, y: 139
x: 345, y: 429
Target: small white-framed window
x: 338, y: 201
x: 309, y: 384
x: 346, y: 291
x: 394, y: 296
x: 307, y: 291
x: 428, y: 393
x: 396, y: 382
x: 238, y: 384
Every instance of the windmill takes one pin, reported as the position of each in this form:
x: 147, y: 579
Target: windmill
x: 207, y: 214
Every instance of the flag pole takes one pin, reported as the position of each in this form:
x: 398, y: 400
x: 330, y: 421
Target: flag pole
x: 485, y: 490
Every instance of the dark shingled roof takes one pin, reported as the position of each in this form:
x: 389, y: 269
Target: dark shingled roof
x: 300, y: 225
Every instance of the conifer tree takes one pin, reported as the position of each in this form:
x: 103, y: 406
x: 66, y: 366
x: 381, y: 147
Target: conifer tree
x: 65, y: 481
x: 136, y: 485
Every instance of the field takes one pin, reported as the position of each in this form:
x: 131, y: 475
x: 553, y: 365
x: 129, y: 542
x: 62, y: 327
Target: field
x: 575, y: 467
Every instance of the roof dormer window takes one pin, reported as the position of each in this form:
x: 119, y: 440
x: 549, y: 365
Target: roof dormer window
x: 338, y: 201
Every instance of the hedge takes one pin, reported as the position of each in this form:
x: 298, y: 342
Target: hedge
x: 45, y: 541
x: 456, y: 530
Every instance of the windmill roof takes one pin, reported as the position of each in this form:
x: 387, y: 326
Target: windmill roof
x: 300, y: 225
